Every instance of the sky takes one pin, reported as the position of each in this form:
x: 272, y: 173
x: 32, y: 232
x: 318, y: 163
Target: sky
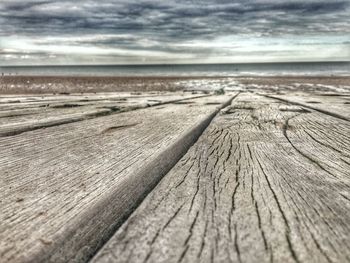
x: 51, y: 32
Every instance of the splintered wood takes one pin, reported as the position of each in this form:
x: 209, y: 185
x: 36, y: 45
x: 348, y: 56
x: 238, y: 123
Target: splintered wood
x: 266, y: 182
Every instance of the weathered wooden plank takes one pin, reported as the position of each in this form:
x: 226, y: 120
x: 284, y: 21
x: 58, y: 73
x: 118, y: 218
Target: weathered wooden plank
x: 48, y: 104
x: 23, y: 102
x: 64, y: 112
x: 13, y: 101
x: 266, y: 182
x: 65, y: 189
x: 336, y: 105
x: 18, y: 112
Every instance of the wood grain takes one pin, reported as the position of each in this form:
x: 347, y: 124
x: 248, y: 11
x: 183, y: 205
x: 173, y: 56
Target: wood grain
x: 266, y: 182
x: 35, y: 101
x: 48, y: 113
x: 65, y: 189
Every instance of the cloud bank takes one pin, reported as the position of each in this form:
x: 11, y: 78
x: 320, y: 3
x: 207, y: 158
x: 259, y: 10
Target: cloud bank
x: 182, y: 31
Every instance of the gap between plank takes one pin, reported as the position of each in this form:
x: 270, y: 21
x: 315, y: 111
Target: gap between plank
x: 162, y: 164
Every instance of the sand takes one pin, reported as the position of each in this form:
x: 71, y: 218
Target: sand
x: 62, y: 84
x: 54, y: 84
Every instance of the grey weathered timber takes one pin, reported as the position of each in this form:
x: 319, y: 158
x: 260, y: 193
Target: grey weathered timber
x: 266, y: 182
x: 14, y: 102
x: 65, y: 105
x: 26, y: 101
x: 65, y: 189
x: 16, y: 121
x: 337, y: 105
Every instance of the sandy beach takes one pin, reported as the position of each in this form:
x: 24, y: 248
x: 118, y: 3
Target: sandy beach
x: 64, y: 84
x: 71, y: 84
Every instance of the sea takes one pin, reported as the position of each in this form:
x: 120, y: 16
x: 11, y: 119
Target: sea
x: 247, y: 69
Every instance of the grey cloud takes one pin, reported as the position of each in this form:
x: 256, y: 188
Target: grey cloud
x: 172, y: 21
x: 198, y: 18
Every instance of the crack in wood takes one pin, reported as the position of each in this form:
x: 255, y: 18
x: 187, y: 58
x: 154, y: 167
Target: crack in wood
x: 287, y: 232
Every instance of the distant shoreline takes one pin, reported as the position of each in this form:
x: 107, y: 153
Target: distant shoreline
x: 175, y: 77
x: 316, y: 69
x: 183, y: 64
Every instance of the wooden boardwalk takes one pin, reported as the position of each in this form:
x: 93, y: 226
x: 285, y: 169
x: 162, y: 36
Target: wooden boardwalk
x: 175, y: 177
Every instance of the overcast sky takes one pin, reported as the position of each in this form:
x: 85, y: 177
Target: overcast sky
x: 173, y: 31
